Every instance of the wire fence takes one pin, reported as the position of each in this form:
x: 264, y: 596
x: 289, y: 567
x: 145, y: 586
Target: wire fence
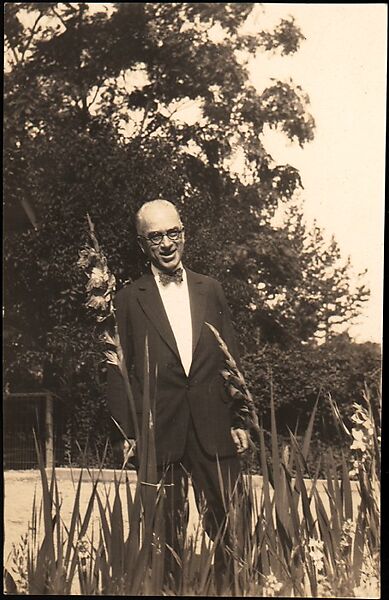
x: 24, y: 413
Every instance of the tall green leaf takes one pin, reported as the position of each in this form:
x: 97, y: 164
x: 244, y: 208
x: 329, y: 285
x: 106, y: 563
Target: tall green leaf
x: 346, y: 490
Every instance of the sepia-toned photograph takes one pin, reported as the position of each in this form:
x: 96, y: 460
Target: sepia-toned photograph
x: 193, y: 209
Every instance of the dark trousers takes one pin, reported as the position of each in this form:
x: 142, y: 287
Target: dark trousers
x: 213, y: 481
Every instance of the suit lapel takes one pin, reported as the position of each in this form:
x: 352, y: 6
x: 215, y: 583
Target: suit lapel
x: 150, y: 300
x: 197, y: 287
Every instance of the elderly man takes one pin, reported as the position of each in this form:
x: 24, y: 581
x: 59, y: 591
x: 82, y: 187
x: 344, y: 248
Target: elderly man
x: 197, y: 432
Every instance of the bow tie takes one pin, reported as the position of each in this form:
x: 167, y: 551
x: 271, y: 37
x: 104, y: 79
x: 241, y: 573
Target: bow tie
x: 166, y: 278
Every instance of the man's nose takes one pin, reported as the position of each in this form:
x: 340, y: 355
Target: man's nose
x: 166, y: 242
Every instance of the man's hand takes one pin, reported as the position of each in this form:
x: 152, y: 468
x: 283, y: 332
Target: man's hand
x: 241, y: 439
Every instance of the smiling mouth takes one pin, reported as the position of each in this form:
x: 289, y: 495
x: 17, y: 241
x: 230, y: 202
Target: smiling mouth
x: 168, y: 255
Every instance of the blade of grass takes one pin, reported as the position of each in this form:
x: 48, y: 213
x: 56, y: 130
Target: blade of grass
x: 301, y: 488
x: 346, y: 490
x: 266, y: 483
x: 117, y: 534
x: 359, y: 544
x: 158, y: 548
x: 308, y: 433
x: 326, y: 530
x: 60, y: 571
x: 73, y: 521
x: 45, y: 563
x: 279, y: 477
x: 147, y: 478
x: 105, y: 527
x: 83, y: 530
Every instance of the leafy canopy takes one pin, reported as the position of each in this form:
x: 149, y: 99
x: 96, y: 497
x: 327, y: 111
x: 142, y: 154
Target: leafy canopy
x: 107, y: 106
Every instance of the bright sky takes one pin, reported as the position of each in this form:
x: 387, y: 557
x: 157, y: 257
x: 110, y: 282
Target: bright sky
x: 342, y: 67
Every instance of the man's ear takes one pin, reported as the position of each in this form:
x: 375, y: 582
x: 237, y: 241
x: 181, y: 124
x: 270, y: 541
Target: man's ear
x: 140, y: 244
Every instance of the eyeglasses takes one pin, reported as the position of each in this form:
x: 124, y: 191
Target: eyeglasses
x: 156, y: 237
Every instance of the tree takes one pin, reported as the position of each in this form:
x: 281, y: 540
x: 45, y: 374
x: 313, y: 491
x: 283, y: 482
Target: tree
x: 303, y: 377
x: 92, y: 123
x: 314, y: 297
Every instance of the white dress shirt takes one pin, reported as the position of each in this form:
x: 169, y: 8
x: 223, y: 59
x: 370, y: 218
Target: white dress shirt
x: 175, y: 298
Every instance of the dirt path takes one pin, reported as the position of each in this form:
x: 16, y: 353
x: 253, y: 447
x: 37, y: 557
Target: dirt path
x: 21, y: 486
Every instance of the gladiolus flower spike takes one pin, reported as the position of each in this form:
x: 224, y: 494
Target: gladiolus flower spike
x: 101, y: 283
x: 100, y: 289
x: 237, y: 387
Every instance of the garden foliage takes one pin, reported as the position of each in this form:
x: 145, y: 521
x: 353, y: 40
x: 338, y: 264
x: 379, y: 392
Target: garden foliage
x: 92, y: 123
x: 292, y: 539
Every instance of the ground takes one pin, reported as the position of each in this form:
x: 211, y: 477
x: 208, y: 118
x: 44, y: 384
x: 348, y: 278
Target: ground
x: 21, y: 486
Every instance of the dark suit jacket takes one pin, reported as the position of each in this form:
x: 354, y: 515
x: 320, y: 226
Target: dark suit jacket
x: 200, y: 395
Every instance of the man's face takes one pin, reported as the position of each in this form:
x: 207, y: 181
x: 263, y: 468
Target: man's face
x: 162, y: 219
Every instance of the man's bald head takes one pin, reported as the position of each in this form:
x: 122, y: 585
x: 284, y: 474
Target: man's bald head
x: 151, y: 211
x: 161, y: 233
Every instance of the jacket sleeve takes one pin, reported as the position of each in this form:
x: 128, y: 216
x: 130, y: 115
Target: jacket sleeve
x: 239, y: 411
x: 117, y: 397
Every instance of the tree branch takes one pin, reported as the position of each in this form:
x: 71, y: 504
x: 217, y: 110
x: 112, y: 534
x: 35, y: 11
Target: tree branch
x: 94, y: 97
x: 147, y: 108
x: 32, y: 33
x: 13, y: 50
x: 59, y: 17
